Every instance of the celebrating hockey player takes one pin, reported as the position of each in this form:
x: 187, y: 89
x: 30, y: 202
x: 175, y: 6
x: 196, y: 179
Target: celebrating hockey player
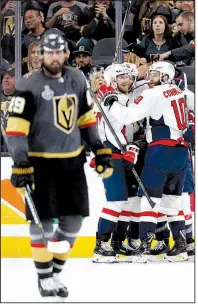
x: 119, y: 210
x: 166, y: 159
x: 162, y: 232
x: 49, y: 118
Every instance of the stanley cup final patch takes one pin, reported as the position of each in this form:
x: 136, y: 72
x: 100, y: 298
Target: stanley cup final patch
x: 47, y: 94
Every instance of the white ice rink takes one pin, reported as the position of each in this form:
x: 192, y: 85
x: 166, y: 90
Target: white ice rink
x: 88, y: 282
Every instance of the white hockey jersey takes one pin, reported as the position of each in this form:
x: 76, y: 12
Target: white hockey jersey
x: 139, y: 88
x: 164, y: 107
x: 124, y: 134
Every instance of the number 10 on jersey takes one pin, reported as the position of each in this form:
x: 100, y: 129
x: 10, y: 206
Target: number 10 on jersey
x: 180, y: 110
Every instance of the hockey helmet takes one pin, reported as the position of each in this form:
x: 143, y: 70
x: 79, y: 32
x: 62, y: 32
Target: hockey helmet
x: 133, y: 70
x: 53, y: 40
x: 165, y: 69
x: 113, y: 71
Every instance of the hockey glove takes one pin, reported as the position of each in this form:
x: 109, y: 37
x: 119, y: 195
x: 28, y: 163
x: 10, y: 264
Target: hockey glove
x: 104, y: 90
x: 103, y: 162
x: 22, y: 175
x: 189, y: 135
x: 109, y: 99
x: 131, y: 153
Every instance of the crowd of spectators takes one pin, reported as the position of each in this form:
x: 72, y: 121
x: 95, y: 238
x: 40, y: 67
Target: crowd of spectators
x: 154, y: 30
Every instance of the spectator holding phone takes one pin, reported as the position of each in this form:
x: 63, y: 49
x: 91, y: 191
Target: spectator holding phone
x: 68, y: 17
x: 101, y: 26
x: 188, y: 5
x: 8, y: 8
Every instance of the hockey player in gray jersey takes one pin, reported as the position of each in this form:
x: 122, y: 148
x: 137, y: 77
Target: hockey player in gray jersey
x: 49, y: 118
x: 122, y: 204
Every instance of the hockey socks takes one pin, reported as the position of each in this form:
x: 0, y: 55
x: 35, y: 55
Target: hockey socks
x: 177, y: 224
x: 162, y: 231
x: 185, y: 202
x: 40, y: 254
x: 108, y: 219
x: 133, y: 231
x: 105, y: 229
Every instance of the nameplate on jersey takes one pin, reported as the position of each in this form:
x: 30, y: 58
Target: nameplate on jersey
x: 65, y: 109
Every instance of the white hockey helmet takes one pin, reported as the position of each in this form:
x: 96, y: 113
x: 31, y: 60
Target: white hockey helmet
x: 165, y: 69
x: 114, y: 70
x: 132, y: 68
x: 133, y: 73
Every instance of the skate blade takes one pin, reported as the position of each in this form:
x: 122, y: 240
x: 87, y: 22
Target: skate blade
x: 52, y: 299
x: 140, y: 259
x: 191, y: 258
x: 178, y: 258
x: 98, y: 258
x: 157, y: 258
x: 123, y: 259
x: 61, y: 300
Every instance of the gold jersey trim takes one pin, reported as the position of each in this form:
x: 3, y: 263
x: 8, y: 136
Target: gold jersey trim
x: 18, y: 125
x: 87, y: 119
x: 57, y: 155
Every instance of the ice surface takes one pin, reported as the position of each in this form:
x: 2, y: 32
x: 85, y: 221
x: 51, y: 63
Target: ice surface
x: 89, y: 282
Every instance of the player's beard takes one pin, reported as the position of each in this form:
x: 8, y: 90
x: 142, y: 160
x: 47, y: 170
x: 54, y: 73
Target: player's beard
x: 53, y: 70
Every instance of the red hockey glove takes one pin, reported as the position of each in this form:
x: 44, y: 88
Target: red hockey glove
x: 131, y: 153
x: 104, y: 90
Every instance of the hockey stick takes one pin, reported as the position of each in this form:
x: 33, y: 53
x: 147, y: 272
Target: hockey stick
x: 151, y: 202
x: 55, y: 247
x: 120, y: 38
x: 122, y: 32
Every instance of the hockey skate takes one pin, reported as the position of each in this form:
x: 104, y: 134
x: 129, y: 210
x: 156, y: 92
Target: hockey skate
x: 190, y: 248
x: 178, y: 252
x: 103, y: 253
x: 142, y: 254
x: 62, y: 291
x: 123, y: 251
x: 158, y: 253
x: 134, y: 244
x: 47, y: 289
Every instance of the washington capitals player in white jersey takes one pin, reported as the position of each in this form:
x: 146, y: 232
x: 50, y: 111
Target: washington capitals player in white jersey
x: 166, y: 159
x: 162, y: 232
x: 122, y: 186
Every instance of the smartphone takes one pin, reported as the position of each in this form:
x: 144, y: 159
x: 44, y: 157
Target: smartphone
x: 154, y: 57
x: 146, y: 24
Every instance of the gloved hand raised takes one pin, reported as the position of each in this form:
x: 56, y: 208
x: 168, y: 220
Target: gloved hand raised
x: 107, y: 95
x: 104, y: 90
